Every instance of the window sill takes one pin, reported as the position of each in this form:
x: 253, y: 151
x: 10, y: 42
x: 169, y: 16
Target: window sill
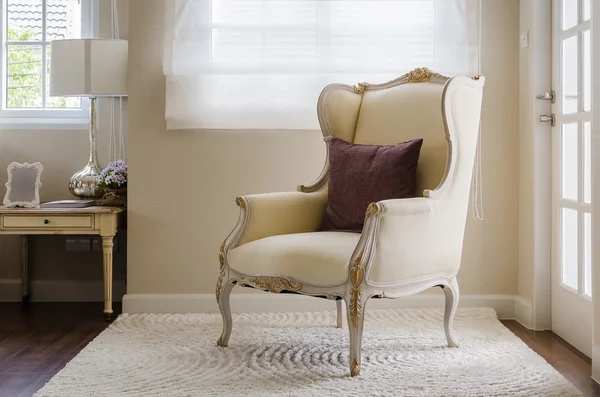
x: 44, y: 123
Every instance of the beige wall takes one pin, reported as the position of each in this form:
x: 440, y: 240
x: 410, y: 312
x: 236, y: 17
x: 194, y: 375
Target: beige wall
x: 183, y: 184
x: 495, y: 239
x: 62, y: 152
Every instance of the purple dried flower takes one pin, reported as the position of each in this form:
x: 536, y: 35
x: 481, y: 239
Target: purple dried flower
x: 114, y: 176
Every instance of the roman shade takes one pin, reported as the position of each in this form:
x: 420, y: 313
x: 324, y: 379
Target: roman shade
x: 260, y: 64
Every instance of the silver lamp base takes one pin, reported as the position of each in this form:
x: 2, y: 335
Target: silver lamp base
x: 84, y: 184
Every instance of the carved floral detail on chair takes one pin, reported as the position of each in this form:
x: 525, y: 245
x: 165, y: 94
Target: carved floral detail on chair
x: 357, y: 274
x: 220, y: 285
x: 360, y: 88
x: 273, y: 284
x: 421, y: 75
x: 417, y: 75
x: 372, y: 209
x: 240, y: 202
x: 221, y: 272
x: 355, y: 368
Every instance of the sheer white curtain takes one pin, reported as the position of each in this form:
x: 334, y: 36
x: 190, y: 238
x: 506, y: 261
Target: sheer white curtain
x: 261, y: 64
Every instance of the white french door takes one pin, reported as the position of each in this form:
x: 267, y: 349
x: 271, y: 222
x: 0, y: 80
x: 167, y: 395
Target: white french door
x: 572, y: 308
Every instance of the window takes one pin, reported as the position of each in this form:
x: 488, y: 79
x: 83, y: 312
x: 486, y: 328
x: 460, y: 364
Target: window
x: 28, y: 29
x: 262, y: 63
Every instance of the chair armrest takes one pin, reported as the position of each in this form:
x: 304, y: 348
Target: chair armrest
x: 272, y: 214
x: 410, y: 206
x: 413, y: 239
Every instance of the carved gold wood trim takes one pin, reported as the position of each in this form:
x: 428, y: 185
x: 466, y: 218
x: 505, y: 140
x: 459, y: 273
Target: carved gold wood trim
x: 355, y: 368
x: 274, y: 284
x: 241, y: 202
x: 357, y: 274
x: 220, y: 284
x: 222, y: 255
x: 360, y: 88
x: 221, y: 271
x: 372, y: 209
x: 421, y: 75
x: 417, y: 75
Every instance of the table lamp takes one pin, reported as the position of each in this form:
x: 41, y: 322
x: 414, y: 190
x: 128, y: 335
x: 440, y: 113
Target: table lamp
x: 89, y: 68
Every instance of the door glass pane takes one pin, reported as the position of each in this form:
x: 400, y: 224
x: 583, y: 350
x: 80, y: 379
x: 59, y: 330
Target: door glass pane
x: 587, y: 254
x: 587, y: 75
x: 587, y: 162
x: 570, y: 10
x: 24, y: 77
x: 569, y: 160
x: 569, y: 247
x: 569, y: 74
x: 586, y: 10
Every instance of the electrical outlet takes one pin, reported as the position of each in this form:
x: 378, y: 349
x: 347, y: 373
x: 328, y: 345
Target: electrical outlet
x: 77, y: 244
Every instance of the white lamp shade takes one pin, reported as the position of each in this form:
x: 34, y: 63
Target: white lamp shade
x: 89, y: 67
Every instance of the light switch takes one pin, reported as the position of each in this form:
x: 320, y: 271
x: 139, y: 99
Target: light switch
x: 525, y: 39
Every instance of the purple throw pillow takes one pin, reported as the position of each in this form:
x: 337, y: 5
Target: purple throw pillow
x: 363, y: 174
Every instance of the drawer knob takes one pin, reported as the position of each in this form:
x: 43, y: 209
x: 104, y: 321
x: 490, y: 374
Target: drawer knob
x: 46, y: 221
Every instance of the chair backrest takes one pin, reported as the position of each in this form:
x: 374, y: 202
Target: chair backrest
x: 411, y: 106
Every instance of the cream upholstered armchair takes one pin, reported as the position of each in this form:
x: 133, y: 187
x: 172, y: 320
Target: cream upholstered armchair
x: 406, y: 245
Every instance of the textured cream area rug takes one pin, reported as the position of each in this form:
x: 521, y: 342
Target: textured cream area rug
x: 303, y: 354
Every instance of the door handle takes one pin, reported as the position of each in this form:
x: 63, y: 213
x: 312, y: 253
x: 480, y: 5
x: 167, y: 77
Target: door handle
x: 544, y: 118
x: 547, y: 96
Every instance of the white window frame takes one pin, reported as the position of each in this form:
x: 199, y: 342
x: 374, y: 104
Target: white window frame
x: 46, y: 118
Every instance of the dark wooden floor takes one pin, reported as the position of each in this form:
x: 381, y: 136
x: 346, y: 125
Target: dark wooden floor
x: 569, y: 362
x: 36, y: 344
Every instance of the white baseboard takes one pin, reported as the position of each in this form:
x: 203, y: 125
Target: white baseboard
x: 240, y: 303
x: 61, y: 291
x: 523, y: 312
x: 596, y: 363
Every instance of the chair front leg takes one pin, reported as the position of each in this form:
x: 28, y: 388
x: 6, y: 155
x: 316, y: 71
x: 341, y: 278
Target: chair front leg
x: 452, y: 294
x: 356, y: 316
x: 223, y: 293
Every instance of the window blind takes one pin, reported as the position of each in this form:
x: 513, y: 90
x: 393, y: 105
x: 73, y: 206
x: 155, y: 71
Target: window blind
x: 261, y: 64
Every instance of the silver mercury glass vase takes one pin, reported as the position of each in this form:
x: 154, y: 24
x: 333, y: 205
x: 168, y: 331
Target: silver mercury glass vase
x: 84, y: 184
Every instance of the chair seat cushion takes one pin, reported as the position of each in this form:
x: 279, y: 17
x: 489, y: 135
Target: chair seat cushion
x: 319, y: 258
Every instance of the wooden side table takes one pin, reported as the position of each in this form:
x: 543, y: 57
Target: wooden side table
x: 103, y: 221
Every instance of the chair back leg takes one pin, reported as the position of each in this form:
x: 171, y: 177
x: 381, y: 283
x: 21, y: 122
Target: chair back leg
x: 223, y: 293
x: 340, y: 319
x: 452, y: 295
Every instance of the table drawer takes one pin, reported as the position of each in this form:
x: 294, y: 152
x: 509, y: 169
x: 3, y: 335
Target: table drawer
x: 48, y: 222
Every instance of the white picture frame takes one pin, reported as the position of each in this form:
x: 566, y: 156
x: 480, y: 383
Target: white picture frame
x: 23, y: 186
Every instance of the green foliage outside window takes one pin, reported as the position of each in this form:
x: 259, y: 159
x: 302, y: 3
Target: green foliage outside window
x: 24, y: 66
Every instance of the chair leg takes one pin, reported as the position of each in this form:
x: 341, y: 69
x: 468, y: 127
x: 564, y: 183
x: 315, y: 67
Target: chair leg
x: 340, y: 320
x: 225, y: 309
x: 452, y: 295
x: 356, y: 317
